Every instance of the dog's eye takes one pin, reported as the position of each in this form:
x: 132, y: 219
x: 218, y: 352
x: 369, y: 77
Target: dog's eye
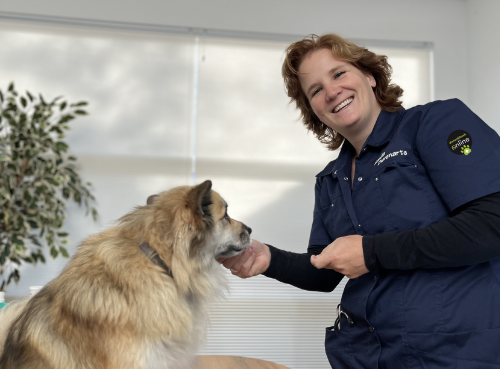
x: 226, y: 217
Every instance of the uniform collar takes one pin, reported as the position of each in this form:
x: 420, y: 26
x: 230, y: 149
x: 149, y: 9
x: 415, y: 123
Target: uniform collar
x: 384, y: 129
x: 382, y: 133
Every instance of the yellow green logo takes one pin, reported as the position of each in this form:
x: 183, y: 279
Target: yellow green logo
x: 460, y: 142
x: 466, y: 150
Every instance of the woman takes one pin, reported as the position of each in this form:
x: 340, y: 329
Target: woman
x: 410, y: 212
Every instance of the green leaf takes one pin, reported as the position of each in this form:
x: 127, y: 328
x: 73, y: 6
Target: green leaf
x: 24, y: 102
x: 64, y: 252
x: 35, y: 257
x: 53, y: 252
x: 33, y: 224
x: 81, y: 103
x: 11, y: 87
x: 30, y: 96
x: 52, y: 181
x: 4, y: 254
x: 61, y: 146
x: 14, y: 276
x: 56, y: 129
x: 63, y: 105
x: 33, y: 238
x: 18, y: 241
x: 27, y: 259
x: 65, y: 118
x: 63, y: 234
x: 55, y: 100
x: 81, y: 112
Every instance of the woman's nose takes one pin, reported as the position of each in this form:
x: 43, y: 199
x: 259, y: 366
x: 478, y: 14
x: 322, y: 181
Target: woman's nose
x: 332, y: 91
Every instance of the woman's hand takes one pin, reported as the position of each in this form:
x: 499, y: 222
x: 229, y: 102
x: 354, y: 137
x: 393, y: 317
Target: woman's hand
x: 251, y: 262
x: 344, y: 255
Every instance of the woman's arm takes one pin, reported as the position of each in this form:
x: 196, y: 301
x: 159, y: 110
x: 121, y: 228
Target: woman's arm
x: 470, y: 236
x: 297, y: 270
x: 284, y: 266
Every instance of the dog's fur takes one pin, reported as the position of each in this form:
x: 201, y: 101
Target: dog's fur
x: 113, y: 308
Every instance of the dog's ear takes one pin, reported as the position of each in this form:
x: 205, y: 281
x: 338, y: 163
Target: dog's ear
x: 151, y: 199
x: 200, y: 198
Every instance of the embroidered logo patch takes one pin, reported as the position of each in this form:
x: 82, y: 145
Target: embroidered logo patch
x: 460, y: 142
x: 384, y: 157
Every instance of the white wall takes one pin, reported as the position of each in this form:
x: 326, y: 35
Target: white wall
x: 465, y: 33
x: 483, y: 50
x: 442, y: 22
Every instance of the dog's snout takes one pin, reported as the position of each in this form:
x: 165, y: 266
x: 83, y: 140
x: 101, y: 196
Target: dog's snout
x: 248, y: 229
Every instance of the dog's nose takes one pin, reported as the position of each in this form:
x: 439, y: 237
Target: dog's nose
x: 249, y: 230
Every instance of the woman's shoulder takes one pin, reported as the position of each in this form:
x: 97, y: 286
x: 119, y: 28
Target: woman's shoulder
x: 441, y: 105
x: 435, y: 111
x: 327, y: 170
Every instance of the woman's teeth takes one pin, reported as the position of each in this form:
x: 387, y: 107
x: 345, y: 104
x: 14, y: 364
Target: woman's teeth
x: 343, y: 104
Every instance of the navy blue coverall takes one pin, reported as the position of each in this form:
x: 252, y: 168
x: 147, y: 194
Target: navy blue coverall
x: 416, y: 167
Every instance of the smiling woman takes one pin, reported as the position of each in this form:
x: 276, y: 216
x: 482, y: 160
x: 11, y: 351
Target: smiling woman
x: 393, y: 214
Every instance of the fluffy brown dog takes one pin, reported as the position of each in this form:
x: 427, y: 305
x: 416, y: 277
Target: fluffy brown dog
x: 120, y: 303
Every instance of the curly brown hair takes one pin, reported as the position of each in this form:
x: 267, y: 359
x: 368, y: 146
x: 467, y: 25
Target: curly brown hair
x: 387, y: 94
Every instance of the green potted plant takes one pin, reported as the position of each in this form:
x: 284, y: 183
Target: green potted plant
x: 37, y: 178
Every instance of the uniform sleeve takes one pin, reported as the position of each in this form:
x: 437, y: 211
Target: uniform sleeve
x: 297, y: 270
x: 319, y: 235
x: 460, y: 152
x: 469, y: 237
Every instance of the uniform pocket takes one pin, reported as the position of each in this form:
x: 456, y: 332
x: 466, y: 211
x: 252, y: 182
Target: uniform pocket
x: 336, y: 218
x: 461, y: 350
x: 336, y: 339
x: 405, y: 202
x: 337, y: 347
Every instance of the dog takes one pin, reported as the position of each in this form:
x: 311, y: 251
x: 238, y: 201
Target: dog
x: 133, y: 296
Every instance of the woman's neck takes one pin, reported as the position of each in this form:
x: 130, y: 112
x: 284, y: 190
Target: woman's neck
x: 357, y: 139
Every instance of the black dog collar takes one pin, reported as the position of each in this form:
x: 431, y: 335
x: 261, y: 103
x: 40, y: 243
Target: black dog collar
x: 153, y: 256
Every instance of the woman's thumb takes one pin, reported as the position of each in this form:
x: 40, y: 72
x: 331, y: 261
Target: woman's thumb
x: 318, y: 261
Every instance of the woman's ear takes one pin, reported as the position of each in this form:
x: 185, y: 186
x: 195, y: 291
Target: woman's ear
x: 371, y: 80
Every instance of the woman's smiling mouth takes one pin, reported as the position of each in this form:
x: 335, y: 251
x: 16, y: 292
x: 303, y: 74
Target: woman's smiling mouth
x: 343, y: 104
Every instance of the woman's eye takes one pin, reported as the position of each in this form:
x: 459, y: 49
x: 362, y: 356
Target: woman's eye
x: 316, y: 91
x: 337, y: 75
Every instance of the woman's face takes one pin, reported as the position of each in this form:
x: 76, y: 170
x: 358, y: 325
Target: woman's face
x: 339, y: 93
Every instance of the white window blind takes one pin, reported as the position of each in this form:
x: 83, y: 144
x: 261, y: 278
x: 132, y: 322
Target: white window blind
x: 160, y: 103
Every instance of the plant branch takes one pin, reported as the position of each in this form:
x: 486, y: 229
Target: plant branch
x: 36, y: 181
x: 23, y: 169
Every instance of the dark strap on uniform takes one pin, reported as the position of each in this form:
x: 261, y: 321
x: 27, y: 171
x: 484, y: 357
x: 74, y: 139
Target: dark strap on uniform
x: 155, y: 258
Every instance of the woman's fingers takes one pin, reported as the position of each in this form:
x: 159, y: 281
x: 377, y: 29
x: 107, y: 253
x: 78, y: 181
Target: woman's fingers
x: 245, y: 256
x: 246, y: 270
x: 253, y: 261
x: 234, y: 263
